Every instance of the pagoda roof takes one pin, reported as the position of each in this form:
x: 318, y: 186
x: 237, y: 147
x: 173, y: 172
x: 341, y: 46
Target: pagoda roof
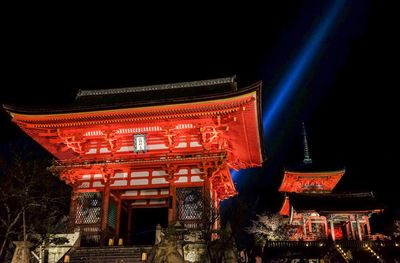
x: 314, y: 167
x: 338, y: 202
x: 141, y: 96
x: 320, y: 181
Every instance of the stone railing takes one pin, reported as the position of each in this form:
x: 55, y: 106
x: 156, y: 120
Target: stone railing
x: 57, y: 251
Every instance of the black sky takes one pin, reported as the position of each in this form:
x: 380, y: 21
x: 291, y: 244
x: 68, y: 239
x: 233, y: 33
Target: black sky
x: 346, y: 98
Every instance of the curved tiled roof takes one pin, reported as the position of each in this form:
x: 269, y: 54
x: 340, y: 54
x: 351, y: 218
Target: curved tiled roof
x: 160, y: 87
x: 163, y: 94
x: 363, y: 201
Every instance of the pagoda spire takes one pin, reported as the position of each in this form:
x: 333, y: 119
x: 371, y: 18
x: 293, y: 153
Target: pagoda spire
x: 307, y: 157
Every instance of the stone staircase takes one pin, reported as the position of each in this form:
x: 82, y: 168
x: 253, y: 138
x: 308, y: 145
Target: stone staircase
x: 109, y: 254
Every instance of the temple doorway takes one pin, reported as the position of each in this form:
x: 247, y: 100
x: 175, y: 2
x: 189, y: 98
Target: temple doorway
x: 144, y: 222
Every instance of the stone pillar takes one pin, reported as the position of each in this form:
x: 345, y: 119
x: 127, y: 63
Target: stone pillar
x: 158, y: 234
x: 104, y: 217
x: 21, y: 253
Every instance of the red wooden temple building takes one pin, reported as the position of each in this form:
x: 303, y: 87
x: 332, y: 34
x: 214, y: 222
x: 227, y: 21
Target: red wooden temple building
x: 316, y: 211
x: 126, y: 150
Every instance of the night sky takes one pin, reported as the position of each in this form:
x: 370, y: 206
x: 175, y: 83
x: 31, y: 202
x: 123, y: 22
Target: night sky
x: 345, y: 95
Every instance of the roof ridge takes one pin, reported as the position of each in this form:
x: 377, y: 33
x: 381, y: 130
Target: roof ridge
x: 177, y: 85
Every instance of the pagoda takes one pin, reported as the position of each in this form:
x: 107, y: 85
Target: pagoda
x: 126, y: 150
x: 320, y: 213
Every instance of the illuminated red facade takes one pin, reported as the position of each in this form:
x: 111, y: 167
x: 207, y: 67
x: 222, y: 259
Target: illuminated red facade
x: 317, y: 212
x: 187, y: 135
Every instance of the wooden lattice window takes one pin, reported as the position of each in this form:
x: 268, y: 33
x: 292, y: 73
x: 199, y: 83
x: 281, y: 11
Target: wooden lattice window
x: 88, y: 209
x: 112, y: 214
x: 188, y: 203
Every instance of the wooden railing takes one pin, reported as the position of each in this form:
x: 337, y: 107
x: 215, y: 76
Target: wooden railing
x: 342, y: 243
x: 353, y: 243
x: 272, y: 244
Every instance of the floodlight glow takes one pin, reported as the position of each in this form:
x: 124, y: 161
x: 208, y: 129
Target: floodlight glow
x: 294, y: 74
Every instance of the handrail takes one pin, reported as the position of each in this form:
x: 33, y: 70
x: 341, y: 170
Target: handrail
x: 342, y: 243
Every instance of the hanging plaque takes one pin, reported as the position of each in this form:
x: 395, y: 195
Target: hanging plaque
x: 139, y: 143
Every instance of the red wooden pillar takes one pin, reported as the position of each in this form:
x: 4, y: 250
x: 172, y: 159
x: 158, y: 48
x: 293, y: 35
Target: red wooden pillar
x: 332, y: 230
x: 207, y: 188
x: 72, y: 211
x: 129, y: 226
x: 347, y: 230
x: 325, y: 226
x: 359, y: 233
x: 104, y: 217
x: 368, y: 226
x: 352, y: 230
x: 118, y: 218
x: 218, y: 209
x: 172, y: 204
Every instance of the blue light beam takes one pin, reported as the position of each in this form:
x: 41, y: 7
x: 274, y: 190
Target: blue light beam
x: 303, y: 60
x: 297, y: 69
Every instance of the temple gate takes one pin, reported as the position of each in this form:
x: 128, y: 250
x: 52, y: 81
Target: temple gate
x: 148, y: 147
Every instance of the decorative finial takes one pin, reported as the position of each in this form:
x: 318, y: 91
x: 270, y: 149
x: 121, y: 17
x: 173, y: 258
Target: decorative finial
x: 307, y: 158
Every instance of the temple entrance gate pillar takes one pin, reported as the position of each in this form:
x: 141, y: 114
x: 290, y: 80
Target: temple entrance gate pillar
x: 104, y: 217
x: 172, y: 204
x: 118, y: 218
x: 129, y: 226
x: 72, y: 211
